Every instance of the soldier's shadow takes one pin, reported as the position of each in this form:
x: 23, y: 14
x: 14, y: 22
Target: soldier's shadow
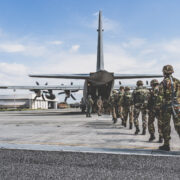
x: 125, y: 140
x: 114, y: 133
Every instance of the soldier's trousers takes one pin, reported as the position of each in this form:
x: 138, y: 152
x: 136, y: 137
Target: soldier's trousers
x: 114, y: 112
x: 166, y: 127
x: 99, y: 110
x: 155, y: 113
x: 137, y: 111
x: 89, y: 111
x: 128, y: 110
x: 120, y: 112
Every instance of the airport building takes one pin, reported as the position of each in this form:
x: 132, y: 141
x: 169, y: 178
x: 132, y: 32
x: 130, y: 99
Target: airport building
x: 26, y: 101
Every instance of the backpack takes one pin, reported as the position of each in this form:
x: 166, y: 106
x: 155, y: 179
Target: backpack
x: 116, y: 98
x: 141, y: 96
x: 127, y: 99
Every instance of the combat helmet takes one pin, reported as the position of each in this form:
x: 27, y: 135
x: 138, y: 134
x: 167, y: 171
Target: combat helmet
x: 127, y: 88
x: 121, y: 87
x: 168, y: 69
x: 114, y: 91
x: 139, y: 83
x: 154, y: 82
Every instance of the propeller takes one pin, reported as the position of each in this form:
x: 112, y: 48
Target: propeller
x: 48, y: 94
x: 68, y: 94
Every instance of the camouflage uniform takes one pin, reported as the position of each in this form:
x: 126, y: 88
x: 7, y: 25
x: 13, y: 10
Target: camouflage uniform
x: 140, y: 100
x: 106, y: 106
x: 100, y: 106
x: 114, y: 106
x: 89, y: 105
x: 166, y: 92
x: 120, y: 105
x: 154, y: 106
x: 127, y: 107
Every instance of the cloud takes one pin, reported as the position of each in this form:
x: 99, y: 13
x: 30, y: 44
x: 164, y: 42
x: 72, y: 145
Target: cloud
x: 56, y: 42
x: 35, y: 50
x: 12, y: 48
x: 108, y: 24
x: 173, y: 46
x: 111, y: 25
x: 75, y: 48
x: 134, y: 43
x: 13, y: 69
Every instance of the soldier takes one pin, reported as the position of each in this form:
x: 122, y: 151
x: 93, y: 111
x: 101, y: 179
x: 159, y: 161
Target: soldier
x: 114, y: 105
x: 127, y: 107
x: 100, y: 106
x: 89, y: 105
x: 140, y: 100
x: 120, y: 101
x: 106, y: 106
x: 170, y: 93
x: 154, y: 106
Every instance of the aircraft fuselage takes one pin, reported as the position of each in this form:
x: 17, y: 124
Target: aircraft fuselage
x: 99, y: 84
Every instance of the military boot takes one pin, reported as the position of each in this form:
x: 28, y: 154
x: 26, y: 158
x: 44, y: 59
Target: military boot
x: 165, y: 147
x: 130, y: 126
x: 144, y: 131
x: 114, y: 120
x: 124, y: 124
x: 152, y: 137
x: 137, y: 131
x: 160, y: 139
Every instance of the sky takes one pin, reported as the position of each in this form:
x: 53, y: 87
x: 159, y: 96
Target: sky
x: 59, y: 36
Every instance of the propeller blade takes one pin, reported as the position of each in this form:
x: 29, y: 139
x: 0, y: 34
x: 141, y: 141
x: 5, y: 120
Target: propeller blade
x: 43, y: 97
x: 73, y: 97
x: 65, y: 99
x: 61, y: 93
x: 34, y: 98
x: 37, y: 83
x: 45, y: 92
x: 46, y: 83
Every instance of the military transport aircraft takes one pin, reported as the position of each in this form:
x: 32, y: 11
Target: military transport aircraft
x: 99, y: 83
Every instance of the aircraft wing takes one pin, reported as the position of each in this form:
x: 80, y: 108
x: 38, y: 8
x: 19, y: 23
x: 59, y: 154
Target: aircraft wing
x: 136, y: 76
x: 116, y: 87
x: 132, y: 87
x: 64, y: 87
x: 62, y: 76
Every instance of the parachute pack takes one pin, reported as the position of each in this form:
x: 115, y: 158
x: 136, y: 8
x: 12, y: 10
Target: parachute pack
x: 127, y: 100
x: 141, y: 96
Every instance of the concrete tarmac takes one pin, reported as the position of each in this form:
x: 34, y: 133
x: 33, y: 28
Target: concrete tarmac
x: 64, y: 144
x: 71, y: 128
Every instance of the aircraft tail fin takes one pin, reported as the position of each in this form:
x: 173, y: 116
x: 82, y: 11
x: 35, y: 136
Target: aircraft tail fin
x: 100, y: 55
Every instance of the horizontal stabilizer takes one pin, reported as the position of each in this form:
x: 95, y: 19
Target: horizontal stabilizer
x: 62, y: 76
x: 136, y: 76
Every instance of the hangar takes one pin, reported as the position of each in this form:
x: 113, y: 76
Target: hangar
x: 26, y: 101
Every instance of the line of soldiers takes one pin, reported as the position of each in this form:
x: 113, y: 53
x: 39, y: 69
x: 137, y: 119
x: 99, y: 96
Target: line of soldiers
x: 161, y: 101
